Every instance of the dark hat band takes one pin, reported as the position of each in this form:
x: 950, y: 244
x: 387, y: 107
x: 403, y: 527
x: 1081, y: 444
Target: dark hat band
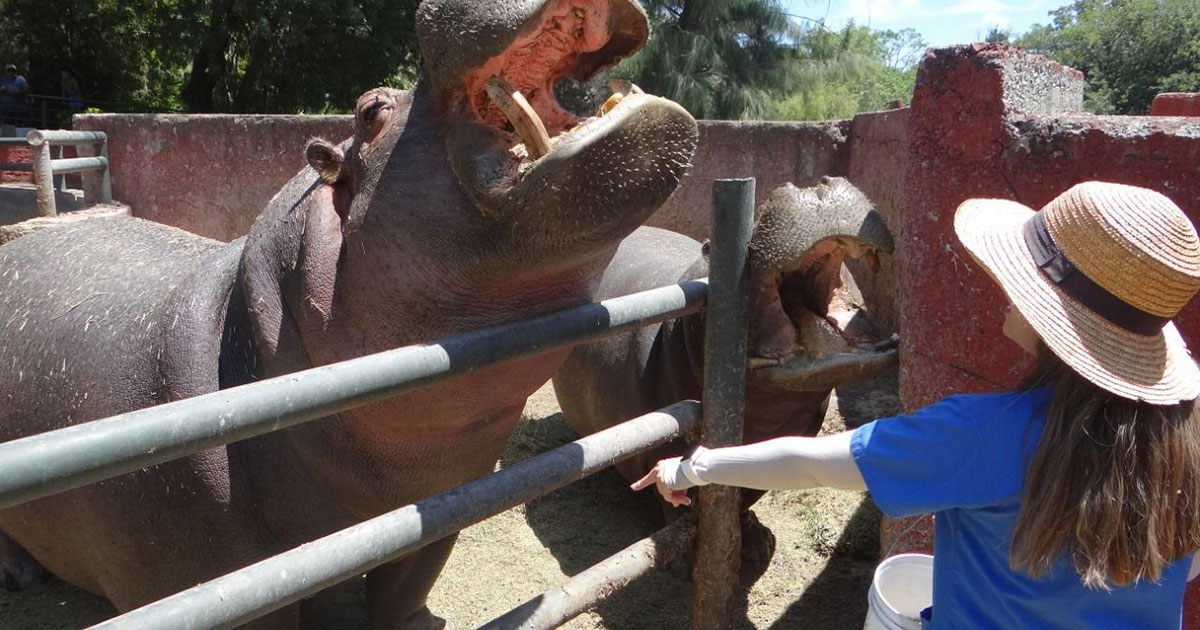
x: 1062, y: 272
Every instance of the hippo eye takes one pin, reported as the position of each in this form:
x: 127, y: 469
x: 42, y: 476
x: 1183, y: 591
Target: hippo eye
x: 370, y: 112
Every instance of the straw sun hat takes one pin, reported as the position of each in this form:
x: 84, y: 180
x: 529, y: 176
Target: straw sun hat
x: 1099, y: 272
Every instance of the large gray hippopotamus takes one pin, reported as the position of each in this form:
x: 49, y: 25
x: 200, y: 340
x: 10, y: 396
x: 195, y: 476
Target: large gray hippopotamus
x: 471, y: 201
x: 809, y: 330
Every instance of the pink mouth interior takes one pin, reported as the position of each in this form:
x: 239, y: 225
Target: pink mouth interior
x: 536, y: 60
x: 814, y: 286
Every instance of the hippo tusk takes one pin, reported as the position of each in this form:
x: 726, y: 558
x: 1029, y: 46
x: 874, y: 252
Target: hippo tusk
x: 872, y: 261
x: 624, y: 87
x: 808, y: 373
x: 524, y: 119
x: 620, y: 89
x: 755, y: 363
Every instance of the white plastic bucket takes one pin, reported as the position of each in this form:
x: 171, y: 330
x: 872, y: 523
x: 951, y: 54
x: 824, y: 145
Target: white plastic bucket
x: 902, y: 588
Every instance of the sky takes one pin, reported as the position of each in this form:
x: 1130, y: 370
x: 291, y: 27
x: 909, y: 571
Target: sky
x: 940, y: 22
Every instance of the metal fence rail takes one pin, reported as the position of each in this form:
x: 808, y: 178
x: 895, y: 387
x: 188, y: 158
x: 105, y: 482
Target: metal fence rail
x: 591, y: 586
x: 48, y: 463
x: 269, y: 585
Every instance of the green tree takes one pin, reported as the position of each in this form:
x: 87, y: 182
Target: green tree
x: 1129, y: 50
x: 852, y: 70
x: 214, y: 55
x: 298, y: 55
x: 718, y: 58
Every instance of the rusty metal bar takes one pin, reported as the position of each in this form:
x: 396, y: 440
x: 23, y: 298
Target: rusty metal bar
x: 47, y: 463
x: 273, y: 583
x: 582, y: 592
x: 718, y: 547
x: 77, y: 165
x: 38, y: 137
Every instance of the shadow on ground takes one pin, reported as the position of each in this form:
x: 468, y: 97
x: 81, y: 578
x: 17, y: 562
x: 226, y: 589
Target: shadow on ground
x: 831, y: 559
x: 18, y: 202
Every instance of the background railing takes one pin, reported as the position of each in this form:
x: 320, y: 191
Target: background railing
x: 43, y: 111
x: 92, y: 147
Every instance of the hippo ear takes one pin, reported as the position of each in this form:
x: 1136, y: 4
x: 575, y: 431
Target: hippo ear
x: 330, y: 164
x: 325, y: 159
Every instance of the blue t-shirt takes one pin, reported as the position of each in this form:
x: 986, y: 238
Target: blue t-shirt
x: 964, y: 459
x: 16, y: 97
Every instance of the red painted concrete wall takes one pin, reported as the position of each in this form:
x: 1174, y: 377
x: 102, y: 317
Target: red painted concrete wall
x: 1176, y: 104
x: 15, y: 155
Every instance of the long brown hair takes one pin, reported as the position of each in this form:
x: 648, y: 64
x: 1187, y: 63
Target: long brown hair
x: 1113, y: 482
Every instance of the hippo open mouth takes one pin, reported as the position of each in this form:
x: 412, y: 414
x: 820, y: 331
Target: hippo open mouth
x: 514, y: 91
x: 512, y: 94
x: 812, y: 329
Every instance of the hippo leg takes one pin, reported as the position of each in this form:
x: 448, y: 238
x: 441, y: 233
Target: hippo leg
x: 396, y: 591
x: 758, y: 543
x: 18, y: 569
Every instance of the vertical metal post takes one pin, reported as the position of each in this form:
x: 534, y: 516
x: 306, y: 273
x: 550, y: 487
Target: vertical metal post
x: 43, y: 179
x: 106, y: 176
x: 60, y: 182
x: 97, y: 185
x: 718, y: 546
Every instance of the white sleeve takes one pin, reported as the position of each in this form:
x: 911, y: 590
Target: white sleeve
x: 789, y: 463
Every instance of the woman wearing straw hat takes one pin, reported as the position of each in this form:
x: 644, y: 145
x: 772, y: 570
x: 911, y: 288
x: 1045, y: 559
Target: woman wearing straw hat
x: 1074, y: 500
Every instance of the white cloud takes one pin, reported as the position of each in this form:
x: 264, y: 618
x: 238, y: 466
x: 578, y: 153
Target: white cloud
x: 996, y: 19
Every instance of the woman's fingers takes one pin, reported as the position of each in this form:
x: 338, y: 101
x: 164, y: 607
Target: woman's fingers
x: 674, y: 497
x: 645, y: 482
x: 655, y: 478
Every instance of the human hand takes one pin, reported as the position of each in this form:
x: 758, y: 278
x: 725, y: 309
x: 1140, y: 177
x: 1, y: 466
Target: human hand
x: 669, y: 481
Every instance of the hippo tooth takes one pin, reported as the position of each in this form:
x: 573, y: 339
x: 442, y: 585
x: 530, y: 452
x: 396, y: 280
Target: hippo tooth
x: 524, y: 119
x: 620, y: 89
x: 754, y: 363
x: 624, y: 87
x: 872, y: 260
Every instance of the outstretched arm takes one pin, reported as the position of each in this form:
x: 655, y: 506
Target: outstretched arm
x: 789, y: 463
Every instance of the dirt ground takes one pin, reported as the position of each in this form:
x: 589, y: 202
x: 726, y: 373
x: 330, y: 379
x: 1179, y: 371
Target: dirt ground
x: 826, y: 549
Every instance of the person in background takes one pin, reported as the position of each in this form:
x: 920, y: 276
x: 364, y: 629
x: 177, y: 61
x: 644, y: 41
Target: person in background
x: 71, y: 90
x: 12, y: 96
x: 1072, y: 501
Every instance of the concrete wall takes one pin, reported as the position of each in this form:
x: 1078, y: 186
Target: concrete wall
x: 772, y: 153
x: 210, y: 175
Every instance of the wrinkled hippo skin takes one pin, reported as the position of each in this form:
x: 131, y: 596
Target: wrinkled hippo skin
x: 808, y: 329
x: 428, y: 222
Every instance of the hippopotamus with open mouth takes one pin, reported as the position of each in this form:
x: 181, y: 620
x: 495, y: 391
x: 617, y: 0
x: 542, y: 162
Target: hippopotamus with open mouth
x: 471, y: 201
x: 809, y: 329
